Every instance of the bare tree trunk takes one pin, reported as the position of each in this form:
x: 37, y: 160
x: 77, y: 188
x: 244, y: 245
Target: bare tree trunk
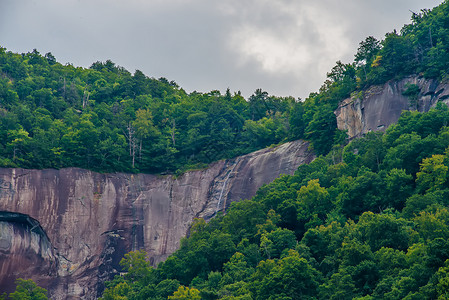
x: 140, y: 151
x: 132, y: 143
x: 85, y: 98
x: 173, y: 132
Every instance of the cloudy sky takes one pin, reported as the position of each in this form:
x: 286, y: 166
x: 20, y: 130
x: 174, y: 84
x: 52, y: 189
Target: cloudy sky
x: 284, y: 47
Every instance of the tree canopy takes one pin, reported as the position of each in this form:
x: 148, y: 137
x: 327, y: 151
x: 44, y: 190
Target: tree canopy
x: 365, y: 220
x: 372, y: 225
x: 107, y: 119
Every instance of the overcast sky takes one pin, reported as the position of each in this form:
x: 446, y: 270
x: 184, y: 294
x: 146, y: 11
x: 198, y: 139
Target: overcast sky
x: 284, y: 47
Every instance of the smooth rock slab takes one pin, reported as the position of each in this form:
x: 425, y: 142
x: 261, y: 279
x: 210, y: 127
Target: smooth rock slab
x: 87, y: 221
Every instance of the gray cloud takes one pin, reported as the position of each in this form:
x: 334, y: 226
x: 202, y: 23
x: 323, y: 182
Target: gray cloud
x: 284, y: 47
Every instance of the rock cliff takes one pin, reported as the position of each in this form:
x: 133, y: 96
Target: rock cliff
x: 68, y: 229
x: 380, y: 106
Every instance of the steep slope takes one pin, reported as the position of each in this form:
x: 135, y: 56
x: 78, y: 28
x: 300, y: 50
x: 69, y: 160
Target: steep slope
x: 75, y: 225
x: 380, y: 106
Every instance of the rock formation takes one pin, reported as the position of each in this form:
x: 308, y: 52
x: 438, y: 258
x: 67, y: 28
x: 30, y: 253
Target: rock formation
x: 68, y: 229
x: 380, y: 106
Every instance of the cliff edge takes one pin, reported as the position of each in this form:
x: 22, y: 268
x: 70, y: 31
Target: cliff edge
x: 68, y: 229
x: 380, y: 106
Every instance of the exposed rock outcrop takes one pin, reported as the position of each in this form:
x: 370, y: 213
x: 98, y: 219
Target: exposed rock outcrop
x: 24, y: 243
x: 380, y: 106
x: 68, y: 229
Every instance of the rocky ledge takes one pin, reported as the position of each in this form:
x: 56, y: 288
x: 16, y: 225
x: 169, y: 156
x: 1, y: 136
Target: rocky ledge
x: 380, y: 106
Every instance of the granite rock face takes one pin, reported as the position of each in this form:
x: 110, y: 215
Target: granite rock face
x: 68, y: 229
x: 380, y: 106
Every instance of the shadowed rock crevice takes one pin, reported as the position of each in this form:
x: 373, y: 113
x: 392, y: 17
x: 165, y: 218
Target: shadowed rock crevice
x: 25, y: 248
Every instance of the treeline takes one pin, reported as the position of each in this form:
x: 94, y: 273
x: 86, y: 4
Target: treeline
x: 106, y: 119
x: 370, y: 221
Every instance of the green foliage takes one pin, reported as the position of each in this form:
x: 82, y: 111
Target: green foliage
x: 367, y: 220
x: 411, y: 91
x: 106, y: 119
x: 136, y: 266
x: 443, y: 282
x: 399, y: 187
x: 274, y: 243
x: 28, y: 290
x: 140, y: 124
x: 289, y: 278
x: 185, y: 293
x: 372, y: 226
x: 433, y: 173
x: 383, y: 230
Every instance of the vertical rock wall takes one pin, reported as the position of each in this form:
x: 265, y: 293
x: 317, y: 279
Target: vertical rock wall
x: 380, y: 106
x: 79, y: 224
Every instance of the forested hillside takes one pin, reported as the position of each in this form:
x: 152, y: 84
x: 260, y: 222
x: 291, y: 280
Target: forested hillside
x: 106, y: 119
x: 368, y: 220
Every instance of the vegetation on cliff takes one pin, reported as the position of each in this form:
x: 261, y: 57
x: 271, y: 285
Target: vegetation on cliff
x: 26, y: 289
x: 106, y: 119
x: 369, y: 220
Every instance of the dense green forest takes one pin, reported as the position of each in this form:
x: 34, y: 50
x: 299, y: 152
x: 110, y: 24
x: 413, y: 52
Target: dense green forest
x: 53, y: 114
x: 106, y: 119
x: 366, y: 220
